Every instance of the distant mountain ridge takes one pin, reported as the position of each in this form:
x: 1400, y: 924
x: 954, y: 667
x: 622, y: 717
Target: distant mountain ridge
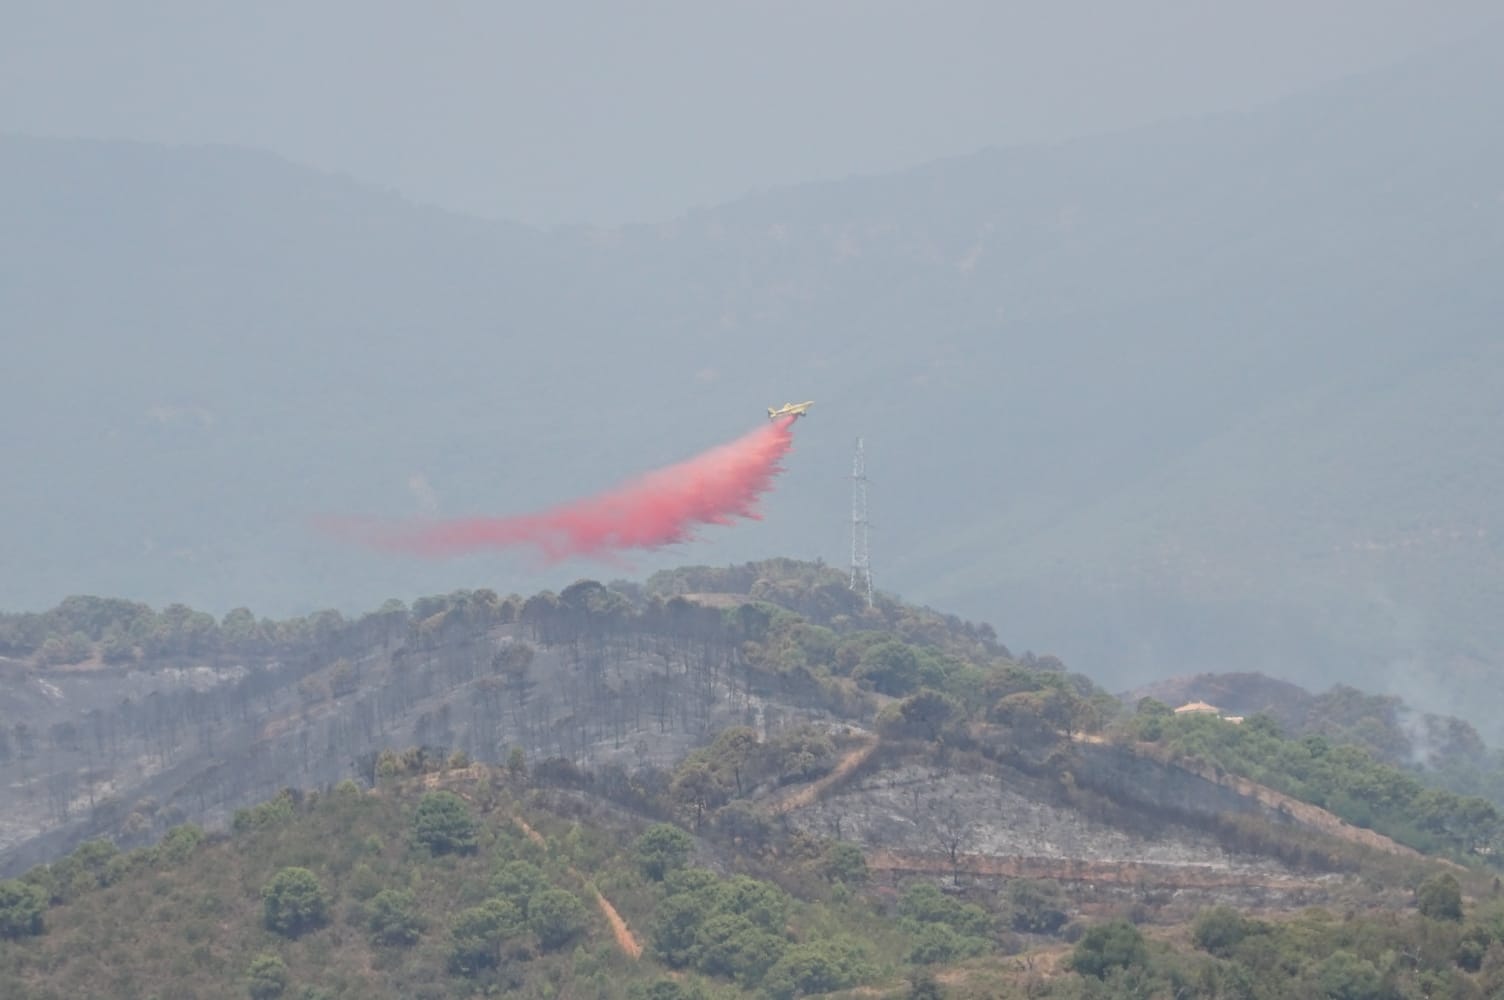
x: 1214, y: 395
x: 1384, y: 725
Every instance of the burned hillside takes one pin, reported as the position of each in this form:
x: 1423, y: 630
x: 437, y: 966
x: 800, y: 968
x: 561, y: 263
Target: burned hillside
x: 732, y: 698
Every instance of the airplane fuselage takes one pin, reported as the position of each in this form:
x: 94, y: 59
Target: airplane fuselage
x: 795, y: 410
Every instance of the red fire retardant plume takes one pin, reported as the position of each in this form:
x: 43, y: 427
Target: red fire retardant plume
x: 656, y: 509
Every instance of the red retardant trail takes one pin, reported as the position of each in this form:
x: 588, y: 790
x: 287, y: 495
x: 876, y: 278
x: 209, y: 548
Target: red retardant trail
x: 656, y: 509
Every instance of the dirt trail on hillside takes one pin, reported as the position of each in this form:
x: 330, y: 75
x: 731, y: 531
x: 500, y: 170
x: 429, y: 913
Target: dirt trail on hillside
x: 1132, y: 873
x: 807, y: 794
x: 532, y: 834
x: 619, y: 929
x: 447, y: 779
x: 625, y: 939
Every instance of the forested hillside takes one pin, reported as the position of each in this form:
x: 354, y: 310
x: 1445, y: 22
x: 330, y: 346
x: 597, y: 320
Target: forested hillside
x: 718, y: 782
x: 453, y: 880
x: 124, y: 721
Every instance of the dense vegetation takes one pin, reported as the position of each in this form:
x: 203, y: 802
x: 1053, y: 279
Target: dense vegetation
x: 451, y: 879
x: 477, y: 882
x: 1345, y: 779
x: 1435, y: 951
x: 474, y: 888
x: 779, y: 626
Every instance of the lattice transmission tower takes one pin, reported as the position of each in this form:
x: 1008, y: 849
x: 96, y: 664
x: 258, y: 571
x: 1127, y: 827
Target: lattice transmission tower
x: 861, y: 555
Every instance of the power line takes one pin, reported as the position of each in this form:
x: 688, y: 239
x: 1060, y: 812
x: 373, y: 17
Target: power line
x: 861, y: 555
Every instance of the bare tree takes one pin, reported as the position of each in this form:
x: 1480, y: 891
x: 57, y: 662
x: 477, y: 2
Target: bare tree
x: 952, y: 828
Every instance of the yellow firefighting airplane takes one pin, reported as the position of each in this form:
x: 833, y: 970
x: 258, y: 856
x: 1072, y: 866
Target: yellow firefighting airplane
x: 795, y: 410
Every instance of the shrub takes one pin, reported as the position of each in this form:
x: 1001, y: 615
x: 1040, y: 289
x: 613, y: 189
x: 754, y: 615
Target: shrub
x: 477, y: 935
x: 939, y: 943
x: 815, y: 967
x: 926, y: 904
x: 1116, y: 944
x: 1344, y: 976
x: 557, y: 917
x: 845, y: 863
x: 1440, y: 897
x: 266, y: 978
x: 179, y: 843
x: 661, y: 849
x: 1038, y: 906
x: 393, y: 918
x: 21, y: 908
x: 294, y: 902
x: 517, y: 881
x: 273, y: 813
x: 443, y: 824
x: 1219, y: 930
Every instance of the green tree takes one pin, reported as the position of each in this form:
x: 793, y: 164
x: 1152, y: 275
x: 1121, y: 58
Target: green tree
x: 661, y: 989
x: 745, y: 824
x: 118, y: 648
x: 890, y: 667
x: 266, y: 977
x: 676, y: 927
x: 1491, y: 971
x: 661, y: 849
x: 731, y: 945
x: 1344, y: 976
x: 518, y: 881
x: 273, y: 812
x: 21, y: 908
x: 557, y: 917
x: 1440, y: 897
x: 763, y: 903
x: 477, y: 934
x: 393, y: 918
x: 927, y: 714
x: 697, y: 785
x: 180, y: 842
x: 1151, y: 718
x: 923, y: 986
x: 732, y: 755
x: 293, y: 901
x: 924, y: 903
x: 1219, y: 930
x: 238, y: 629
x: 1038, y: 905
x: 443, y: 824
x: 845, y: 863
x: 1116, y: 944
x: 803, y: 754
x: 940, y: 943
x: 815, y: 967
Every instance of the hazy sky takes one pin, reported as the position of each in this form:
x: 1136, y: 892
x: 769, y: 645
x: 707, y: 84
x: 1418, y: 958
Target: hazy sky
x: 608, y: 112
